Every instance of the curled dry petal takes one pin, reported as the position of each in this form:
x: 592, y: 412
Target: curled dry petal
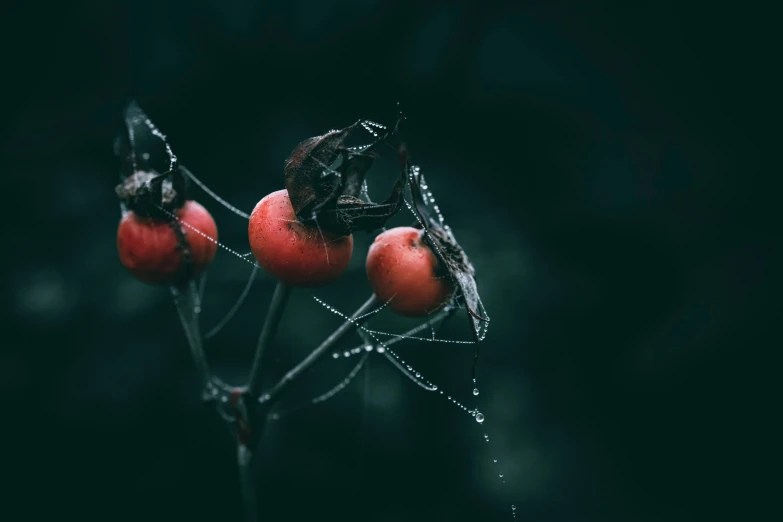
x: 324, y: 180
x: 445, y: 246
x: 151, y: 178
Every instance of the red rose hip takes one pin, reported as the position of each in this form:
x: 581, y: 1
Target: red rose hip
x: 403, y: 270
x: 294, y: 253
x: 149, y: 248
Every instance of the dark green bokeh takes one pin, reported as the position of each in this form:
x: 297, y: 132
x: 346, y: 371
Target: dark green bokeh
x: 598, y: 166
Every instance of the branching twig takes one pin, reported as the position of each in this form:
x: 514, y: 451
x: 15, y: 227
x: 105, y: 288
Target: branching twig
x: 249, y: 412
x: 276, y: 307
x: 273, y: 395
x: 230, y: 314
x: 439, y: 317
x: 187, y: 303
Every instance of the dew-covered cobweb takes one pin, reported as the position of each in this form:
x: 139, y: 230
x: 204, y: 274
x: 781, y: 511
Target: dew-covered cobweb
x: 156, y: 155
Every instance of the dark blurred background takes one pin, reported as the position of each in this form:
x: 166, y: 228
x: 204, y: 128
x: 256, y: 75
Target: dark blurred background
x: 601, y: 165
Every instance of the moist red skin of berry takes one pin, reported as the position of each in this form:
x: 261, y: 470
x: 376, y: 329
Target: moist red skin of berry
x: 403, y: 271
x: 150, y: 250
x: 292, y: 252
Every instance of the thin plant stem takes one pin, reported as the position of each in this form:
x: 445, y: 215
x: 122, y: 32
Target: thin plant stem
x: 246, y: 482
x: 230, y: 314
x: 276, y: 308
x: 202, y: 285
x: 279, y: 300
x: 270, y: 397
x: 187, y: 303
x: 440, y: 317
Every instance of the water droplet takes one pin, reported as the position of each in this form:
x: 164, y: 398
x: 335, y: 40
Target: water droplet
x: 368, y: 347
x: 500, y: 475
x: 479, y: 417
x: 335, y: 355
x: 435, y: 387
x: 380, y: 349
x: 418, y: 374
x: 494, y: 460
x: 264, y: 398
x: 513, y: 507
x: 486, y: 437
x: 346, y: 354
x: 475, y: 391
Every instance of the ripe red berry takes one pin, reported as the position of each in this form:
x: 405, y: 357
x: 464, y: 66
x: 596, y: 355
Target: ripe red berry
x: 294, y: 253
x: 403, y: 270
x: 150, y: 248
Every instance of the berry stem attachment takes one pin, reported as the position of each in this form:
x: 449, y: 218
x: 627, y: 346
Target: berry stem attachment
x: 272, y: 321
x: 270, y: 397
x: 188, y: 305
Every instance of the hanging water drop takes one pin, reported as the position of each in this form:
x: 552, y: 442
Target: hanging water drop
x: 335, y: 355
x: 380, y: 349
x: 475, y: 391
x: 513, y: 507
x: 479, y: 417
x: 500, y: 475
x: 486, y: 437
x: 495, y: 460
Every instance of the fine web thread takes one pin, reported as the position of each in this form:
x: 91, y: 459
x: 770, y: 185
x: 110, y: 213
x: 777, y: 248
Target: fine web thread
x: 414, y: 375
x: 255, y: 265
x: 371, y: 336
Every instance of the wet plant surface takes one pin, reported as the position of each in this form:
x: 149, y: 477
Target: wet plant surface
x: 600, y: 168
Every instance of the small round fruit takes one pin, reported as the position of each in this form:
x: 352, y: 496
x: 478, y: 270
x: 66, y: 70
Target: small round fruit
x: 403, y: 271
x: 150, y: 250
x: 294, y: 253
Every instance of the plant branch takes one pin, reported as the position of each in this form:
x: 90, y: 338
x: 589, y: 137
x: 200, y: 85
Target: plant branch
x: 439, y: 317
x: 276, y: 308
x: 270, y: 397
x: 246, y: 482
x: 230, y: 314
x: 187, y: 303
